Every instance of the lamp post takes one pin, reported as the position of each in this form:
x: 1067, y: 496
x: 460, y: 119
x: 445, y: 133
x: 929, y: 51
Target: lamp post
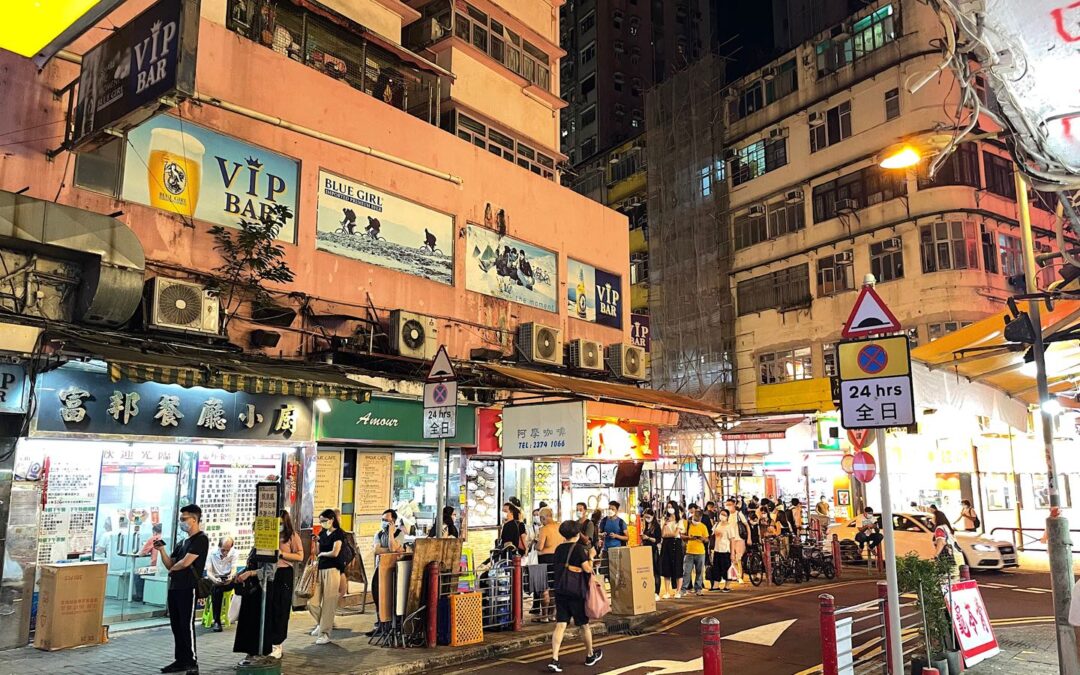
x: 1059, y: 546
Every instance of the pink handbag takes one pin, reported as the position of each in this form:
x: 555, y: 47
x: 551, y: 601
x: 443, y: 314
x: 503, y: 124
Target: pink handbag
x: 597, y: 605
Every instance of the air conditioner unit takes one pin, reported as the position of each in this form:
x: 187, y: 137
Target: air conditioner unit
x: 846, y: 205
x: 768, y: 74
x: 892, y: 245
x: 182, y: 306
x: 841, y: 32
x: 757, y: 210
x: 817, y: 118
x: 793, y: 196
x: 842, y: 258
x: 586, y: 355
x: 540, y: 344
x: 626, y: 361
x: 778, y: 133
x: 730, y: 154
x: 413, y: 335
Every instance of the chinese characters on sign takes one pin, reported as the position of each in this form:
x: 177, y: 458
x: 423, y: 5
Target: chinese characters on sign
x: 971, y: 621
x: 440, y: 422
x: 551, y: 429
x: 440, y: 398
x: 875, y: 383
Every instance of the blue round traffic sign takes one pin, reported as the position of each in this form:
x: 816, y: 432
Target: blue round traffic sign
x: 873, y: 359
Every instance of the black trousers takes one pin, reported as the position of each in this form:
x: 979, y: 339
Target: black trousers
x: 181, y: 613
x: 217, y: 596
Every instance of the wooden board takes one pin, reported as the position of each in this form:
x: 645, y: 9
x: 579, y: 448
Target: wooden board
x: 447, y: 552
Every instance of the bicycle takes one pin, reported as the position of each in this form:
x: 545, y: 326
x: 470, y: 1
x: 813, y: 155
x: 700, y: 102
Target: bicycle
x: 754, y: 567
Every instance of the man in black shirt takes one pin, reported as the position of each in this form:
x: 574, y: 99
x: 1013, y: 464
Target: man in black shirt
x: 186, y: 565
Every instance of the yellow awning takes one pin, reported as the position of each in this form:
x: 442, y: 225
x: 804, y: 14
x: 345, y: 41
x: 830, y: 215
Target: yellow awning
x: 981, y: 353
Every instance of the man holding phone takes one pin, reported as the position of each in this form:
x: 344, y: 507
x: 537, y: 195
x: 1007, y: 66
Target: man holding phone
x: 186, y: 565
x: 694, y: 560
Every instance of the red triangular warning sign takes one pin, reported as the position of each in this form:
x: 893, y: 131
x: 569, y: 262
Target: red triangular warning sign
x: 869, y: 316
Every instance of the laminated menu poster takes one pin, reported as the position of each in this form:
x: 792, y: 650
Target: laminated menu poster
x: 373, y: 474
x: 66, y: 524
x: 225, y: 490
x: 327, y: 480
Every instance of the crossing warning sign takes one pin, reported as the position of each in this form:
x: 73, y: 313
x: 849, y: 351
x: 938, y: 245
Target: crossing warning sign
x: 869, y: 316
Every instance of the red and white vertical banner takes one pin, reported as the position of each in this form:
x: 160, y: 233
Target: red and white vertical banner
x: 971, y: 622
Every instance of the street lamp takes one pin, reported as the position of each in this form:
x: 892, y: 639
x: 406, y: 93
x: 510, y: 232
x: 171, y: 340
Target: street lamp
x: 907, y: 155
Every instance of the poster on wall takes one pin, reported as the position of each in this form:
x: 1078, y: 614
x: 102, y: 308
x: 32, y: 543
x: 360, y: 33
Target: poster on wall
x: 328, y: 480
x: 225, y: 489
x: 510, y: 269
x: 376, y: 227
x: 373, y: 474
x: 188, y: 170
x: 69, y: 511
x: 593, y: 294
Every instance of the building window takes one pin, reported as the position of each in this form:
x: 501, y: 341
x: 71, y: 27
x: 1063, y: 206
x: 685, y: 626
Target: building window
x: 961, y: 168
x: 635, y: 25
x: 588, y: 85
x: 869, y: 186
x: 999, y: 175
x: 892, y: 104
x: 939, y: 330
x: 786, y: 217
x: 705, y: 178
x: 785, y: 366
x: 785, y: 80
x: 637, y: 87
x: 639, y: 269
x: 757, y: 159
x: 636, y: 118
x: 588, y: 53
x: 616, y: 19
x: 751, y: 227
x: 618, y: 80
x: 98, y: 170
x: 833, y: 126
x: 835, y: 273
x: 502, y: 145
x: 989, y: 248
x: 504, y: 45
x: 588, y: 148
x: 588, y: 22
x: 868, y: 34
x: 949, y: 246
x: 588, y: 117
x: 828, y: 360
x: 1011, y: 254
x: 887, y: 259
x: 618, y: 46
x: 788, y: 288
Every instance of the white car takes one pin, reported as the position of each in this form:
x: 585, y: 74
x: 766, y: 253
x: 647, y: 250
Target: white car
x: 914, y: 533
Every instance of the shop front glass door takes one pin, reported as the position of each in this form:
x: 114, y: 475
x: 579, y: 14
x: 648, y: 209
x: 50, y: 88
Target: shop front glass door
x: 136, y: 504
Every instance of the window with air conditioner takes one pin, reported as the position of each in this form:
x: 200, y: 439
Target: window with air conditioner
x: 835, y: 273
x: 786, y: 217
x: 834, y: 127
x: 949, y: 245
x: 887, y: 260
x: 866, y: 187
x: 757, y: 159
x: 867, y: 35
x: 750, y: 228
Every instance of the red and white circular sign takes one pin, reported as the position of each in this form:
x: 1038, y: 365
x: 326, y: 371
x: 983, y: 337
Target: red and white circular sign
x: 864, y: 468
x: 847, y: 463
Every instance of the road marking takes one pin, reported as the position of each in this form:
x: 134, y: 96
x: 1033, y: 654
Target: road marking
x: 1036, y: 591
x: 985, y: 585
x: 766, y: 635
x: 666, y: 667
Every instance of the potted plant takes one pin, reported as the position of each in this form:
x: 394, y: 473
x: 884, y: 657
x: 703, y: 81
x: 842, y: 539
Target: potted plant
x: 925, y: 578
x: 250, y: 257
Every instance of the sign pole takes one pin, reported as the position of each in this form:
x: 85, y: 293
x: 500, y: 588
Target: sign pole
x: 440, y: 499
x: 896, y: 653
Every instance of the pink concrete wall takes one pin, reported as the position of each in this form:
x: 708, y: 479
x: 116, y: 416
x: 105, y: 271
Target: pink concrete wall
x: 236, y: 70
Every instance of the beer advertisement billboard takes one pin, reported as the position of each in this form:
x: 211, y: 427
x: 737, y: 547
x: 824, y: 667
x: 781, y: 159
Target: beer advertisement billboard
x: 593, y: 294
x: 511, y: 269
x: 364, y: 223
x: 125, y: 75
x: 190, y: 171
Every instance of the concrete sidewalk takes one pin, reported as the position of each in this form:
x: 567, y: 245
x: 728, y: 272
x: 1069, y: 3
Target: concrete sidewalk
x: 1031, y: 650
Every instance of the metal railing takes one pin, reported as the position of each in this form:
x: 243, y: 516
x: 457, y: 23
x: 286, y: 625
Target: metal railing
x: 1028, y: 536
x: 855, y: 639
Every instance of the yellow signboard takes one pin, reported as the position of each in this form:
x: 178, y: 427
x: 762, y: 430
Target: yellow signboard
x: 266, y: 533
x: 865, y: 359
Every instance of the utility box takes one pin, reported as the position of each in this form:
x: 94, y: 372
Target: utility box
x: 71, y: 605
x: 633, y: 588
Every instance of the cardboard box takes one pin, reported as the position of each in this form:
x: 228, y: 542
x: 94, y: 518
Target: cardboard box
x: 71, y: 605
x: 633, y: 589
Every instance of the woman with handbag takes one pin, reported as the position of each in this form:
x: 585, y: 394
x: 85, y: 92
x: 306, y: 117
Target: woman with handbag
x: 278, y: 598
x: 573, y: 569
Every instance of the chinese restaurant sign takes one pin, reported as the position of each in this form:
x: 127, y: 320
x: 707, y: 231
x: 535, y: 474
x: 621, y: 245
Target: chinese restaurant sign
x: 72, y: 401
x: 124, y: 77
x: 188, y: 170
x: 544, y: 430
x: 622, y: 441
x: 389, y: 419
x: 593, y: 294
x: 489, y: 427
x: 508, y: 268
x: 360, y: 222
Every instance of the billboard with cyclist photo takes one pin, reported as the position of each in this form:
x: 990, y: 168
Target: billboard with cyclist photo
x: 376, y: 227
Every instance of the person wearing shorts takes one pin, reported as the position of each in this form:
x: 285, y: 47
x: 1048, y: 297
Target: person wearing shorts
x: 575, y: 555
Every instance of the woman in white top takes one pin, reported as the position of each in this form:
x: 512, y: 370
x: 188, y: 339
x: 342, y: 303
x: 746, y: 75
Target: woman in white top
x: 671, y: 553
x: 721, y: 551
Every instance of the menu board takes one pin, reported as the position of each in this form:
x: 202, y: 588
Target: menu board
x: 328, y: 480
x: 374, y: 472
x: 66, y: 524
x: 225, y: 491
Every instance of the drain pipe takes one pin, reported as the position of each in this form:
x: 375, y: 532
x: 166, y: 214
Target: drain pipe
x: 318, y: 135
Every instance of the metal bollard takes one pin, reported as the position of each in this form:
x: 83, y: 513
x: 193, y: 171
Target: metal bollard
x: 838, y: 562
x: 827, y: 617
x: 965, y: 573
x: 432, y: 572
x: 517, y: 600
x: 712, y: 660
x: 930, y: 671
x: 766, y: 555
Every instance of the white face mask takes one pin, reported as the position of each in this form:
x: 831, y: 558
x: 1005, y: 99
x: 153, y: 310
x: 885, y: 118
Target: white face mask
x: 185, y: 526
x: 612, y: 512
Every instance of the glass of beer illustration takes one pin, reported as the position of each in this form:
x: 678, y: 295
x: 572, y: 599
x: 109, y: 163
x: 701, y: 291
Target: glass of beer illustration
x: 175, y: 171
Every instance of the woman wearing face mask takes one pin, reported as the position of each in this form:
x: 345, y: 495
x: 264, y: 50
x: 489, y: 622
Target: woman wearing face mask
x: 278, y: 598
x: 323, y: 605
x: 650, y: 536
x: 721, y: 561
x: 513, y: 535
x: 671, y: 553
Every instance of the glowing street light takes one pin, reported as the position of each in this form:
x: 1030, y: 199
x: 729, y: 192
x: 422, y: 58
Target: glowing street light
x: 901, y: 157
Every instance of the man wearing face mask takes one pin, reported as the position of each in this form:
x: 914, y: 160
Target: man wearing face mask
x: 186, y: 565
x: 387, y: 540
x: 588, y: 530
x: 613, y: 528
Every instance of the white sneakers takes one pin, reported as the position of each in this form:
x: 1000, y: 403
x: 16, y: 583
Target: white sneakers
x: 324, y: 639
x: 316, y: 631
x: 658, y: 597
x: 678, y: 595
x: 276, y: 652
